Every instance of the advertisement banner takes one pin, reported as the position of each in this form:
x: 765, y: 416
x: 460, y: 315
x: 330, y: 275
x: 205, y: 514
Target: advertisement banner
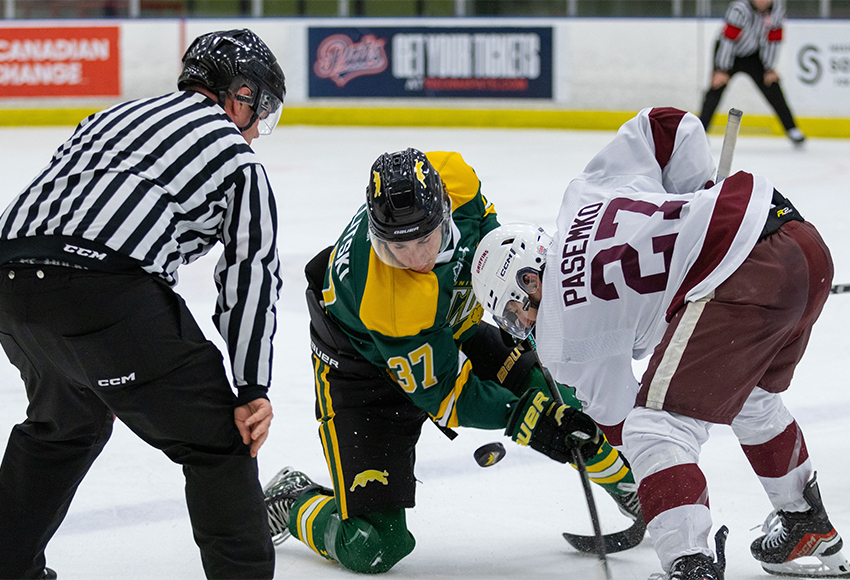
x: 492, y: 62
x: 821, y: 61
x: 60, y: 62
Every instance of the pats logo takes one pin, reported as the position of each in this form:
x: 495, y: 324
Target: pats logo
x: 340, y: 59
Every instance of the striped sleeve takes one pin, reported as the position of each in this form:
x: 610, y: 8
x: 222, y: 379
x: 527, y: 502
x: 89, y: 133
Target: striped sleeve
x: 741, y: 35
x: 248, y: 280
x: 162, y: 181
x: 772, y: 37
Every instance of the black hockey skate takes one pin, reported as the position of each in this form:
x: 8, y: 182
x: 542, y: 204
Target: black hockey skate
x: 796, y: 136
x: 700, y: 566
x: 281, y: 493
x: 792, y: 535
x: 628, y: 504
x: 695, y: 567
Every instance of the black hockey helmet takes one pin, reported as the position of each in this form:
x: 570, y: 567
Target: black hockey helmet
x: 406, y: 200
x: 225, y: 61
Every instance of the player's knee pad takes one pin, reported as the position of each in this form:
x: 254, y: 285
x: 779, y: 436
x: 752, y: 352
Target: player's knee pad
x: 370, y: 544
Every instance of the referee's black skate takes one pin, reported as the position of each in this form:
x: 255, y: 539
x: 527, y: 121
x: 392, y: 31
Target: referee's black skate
x: 796, y: 136
x: 49, y: 574
x: 281, y: 493
x: 792, y: 535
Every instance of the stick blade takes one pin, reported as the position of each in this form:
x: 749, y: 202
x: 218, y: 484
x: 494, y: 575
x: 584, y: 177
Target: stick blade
x: 614, y: 542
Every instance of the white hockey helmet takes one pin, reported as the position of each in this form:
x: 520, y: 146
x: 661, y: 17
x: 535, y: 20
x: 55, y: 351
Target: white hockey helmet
x: 502, y: 259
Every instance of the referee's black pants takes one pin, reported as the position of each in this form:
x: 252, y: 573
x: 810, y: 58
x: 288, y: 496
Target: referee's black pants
x: 752, y: 66
x: 89, y: 345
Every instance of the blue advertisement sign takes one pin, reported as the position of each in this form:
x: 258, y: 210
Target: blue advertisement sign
x: 492, y: 62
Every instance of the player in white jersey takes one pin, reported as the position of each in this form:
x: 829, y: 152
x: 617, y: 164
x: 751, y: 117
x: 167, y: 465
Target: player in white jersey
x: 720, y: 285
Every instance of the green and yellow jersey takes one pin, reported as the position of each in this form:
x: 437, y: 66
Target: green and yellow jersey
x: 414, y: 324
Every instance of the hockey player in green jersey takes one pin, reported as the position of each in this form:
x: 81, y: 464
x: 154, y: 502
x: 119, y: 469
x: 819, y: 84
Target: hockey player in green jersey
x: 397, y: 339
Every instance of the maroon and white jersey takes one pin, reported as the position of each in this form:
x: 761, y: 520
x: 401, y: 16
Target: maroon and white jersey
x: 637, y: 237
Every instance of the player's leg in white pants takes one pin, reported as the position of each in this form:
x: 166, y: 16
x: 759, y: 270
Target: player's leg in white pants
x: 664, y: 450
x: 776, y: 449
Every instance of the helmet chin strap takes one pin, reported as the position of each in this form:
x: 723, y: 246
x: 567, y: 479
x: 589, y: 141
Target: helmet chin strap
x: 250, y: 123
x: 222, y: 99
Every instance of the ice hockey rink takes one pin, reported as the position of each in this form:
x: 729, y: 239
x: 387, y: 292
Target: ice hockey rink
x: 129, y: 519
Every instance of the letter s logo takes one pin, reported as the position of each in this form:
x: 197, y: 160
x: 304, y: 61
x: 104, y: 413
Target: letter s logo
x: 809, y: 63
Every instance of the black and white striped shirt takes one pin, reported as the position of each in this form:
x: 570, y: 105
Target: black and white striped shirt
x: 747, y: 31
x: 161, y: 180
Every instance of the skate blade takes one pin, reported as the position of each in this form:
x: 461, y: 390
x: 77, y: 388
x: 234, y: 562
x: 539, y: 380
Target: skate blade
x: 834, y: 566
x: 278, y: 476
x: 281, y: 538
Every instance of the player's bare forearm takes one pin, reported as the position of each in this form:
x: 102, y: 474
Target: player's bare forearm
x: 253, y: 421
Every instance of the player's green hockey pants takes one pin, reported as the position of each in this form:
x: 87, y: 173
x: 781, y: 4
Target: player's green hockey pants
x: 376, y: 541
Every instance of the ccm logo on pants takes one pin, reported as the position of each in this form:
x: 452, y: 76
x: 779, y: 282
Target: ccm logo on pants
x: 118, y: 381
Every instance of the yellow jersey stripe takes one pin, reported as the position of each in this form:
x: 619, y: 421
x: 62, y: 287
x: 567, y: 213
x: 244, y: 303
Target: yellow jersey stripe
x: 447, y: 414
x: 455, y: 171
x: 327, y: 433
x: 329, y: 293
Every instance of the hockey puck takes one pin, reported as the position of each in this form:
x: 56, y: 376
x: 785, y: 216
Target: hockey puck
x: 489, y: 454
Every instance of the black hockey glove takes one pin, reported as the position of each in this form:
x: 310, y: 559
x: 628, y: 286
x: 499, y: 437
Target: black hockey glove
x: 552, y: 429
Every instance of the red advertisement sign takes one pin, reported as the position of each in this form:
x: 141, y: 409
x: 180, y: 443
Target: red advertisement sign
x: 60, y: 62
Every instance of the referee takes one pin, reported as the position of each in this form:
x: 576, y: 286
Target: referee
x: 89, y: 253
x: 749, y: 43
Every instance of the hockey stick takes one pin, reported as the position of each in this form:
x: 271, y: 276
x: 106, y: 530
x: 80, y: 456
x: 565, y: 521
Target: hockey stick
x: 730, y: 139
x: 599, y: 542
x: 613, y: 542
x: 724, y: 167
x: 616, y: 542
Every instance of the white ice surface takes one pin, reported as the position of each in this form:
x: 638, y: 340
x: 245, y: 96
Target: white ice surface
x: 129, y: 520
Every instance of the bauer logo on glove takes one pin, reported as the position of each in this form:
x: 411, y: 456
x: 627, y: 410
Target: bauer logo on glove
x: 532, y: 415
x: 551, y: 428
